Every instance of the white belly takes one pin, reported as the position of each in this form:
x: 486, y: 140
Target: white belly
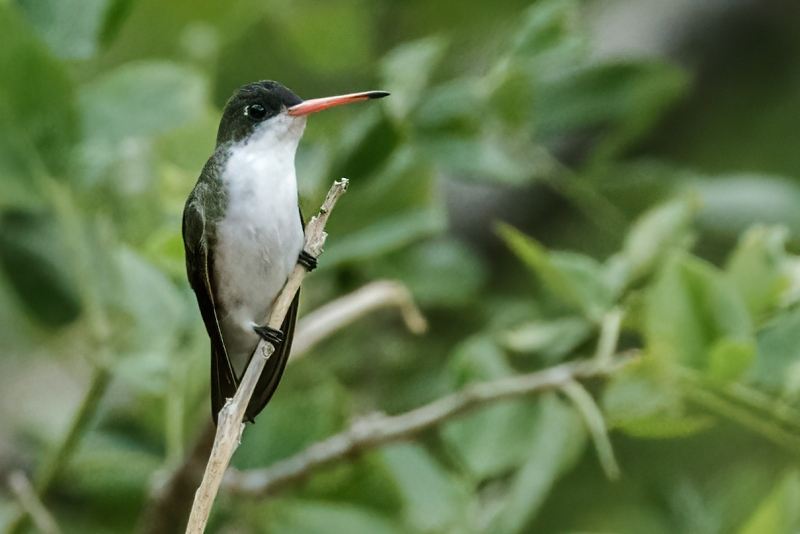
x: 258, y: 241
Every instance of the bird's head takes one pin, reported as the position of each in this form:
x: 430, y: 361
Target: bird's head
x: 268, y: 104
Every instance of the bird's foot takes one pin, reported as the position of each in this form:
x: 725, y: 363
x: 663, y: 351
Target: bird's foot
x: 307, y: 260
x: 270, y: 335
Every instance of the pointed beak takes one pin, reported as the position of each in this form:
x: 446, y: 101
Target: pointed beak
x: 318, y: 104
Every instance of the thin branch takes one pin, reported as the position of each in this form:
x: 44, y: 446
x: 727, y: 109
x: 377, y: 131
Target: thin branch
x: 379, y: 429
x: 230, y: 426
x: 596, y: 424
x: 61, y: 455
x: 26, y: 496
x: 343, y: 311
x: 609, y: 336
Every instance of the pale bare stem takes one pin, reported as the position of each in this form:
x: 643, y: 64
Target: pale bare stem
x: 343, y: 311
x: 379, y: 429
x: 230, y: 426
x: 596, y: 424
x: 26, y: 496
x: 609, y: 335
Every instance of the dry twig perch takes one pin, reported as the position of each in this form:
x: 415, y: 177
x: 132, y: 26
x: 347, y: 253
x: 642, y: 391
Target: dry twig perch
x: 230, y: 426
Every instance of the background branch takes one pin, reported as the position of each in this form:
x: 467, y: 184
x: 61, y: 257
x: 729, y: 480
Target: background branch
x: 230, y: 426
x: 343, y: 311
x: 379, y: 429
x: 29, y: 501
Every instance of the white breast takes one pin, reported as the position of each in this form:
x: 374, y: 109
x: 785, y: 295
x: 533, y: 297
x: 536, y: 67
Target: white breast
x: 261, y: 236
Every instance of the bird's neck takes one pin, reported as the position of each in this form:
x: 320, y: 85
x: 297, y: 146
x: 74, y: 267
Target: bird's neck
x: 265, y: 159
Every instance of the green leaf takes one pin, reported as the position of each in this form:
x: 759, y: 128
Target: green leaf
x: 37, y: 266
x: 650, y: 239
x: 440, y: 272
x: 140, y: 99
x: 151, y: 312
x: 778, y: 512
x: 732, y: 204
x: 559, y: 441
x: 453, y: 107
x: 406, y: 71
x: 578, y: 280
x: 433, y: 502
x: 489, y: 158
x: 111, y: 471
x: 757, y: 268
x: 304, y: 412
x: 384, y: 236
x: 32, y: 77
x: 546, y: 25
x: 642, y: 401
x: 778, y: 347
x: 552, y: 340
x: 689, y: 308
x: 663, y: 426
x: 70, y: 27
x: 627, y: 97
x: 495, y: 438
x: 309, y: 517
x: 123, y: 109
x: 728, y: 359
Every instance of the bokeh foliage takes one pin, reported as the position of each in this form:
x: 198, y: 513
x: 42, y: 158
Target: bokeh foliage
x: 108, y: 110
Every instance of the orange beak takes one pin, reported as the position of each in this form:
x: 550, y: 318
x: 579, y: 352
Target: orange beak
x: 318, y: 104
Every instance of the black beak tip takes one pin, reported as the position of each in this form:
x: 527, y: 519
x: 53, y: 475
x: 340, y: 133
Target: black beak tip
x: 378, y: 94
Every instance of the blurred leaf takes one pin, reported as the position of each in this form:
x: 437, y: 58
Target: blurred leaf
x: 651, y: 237
x: 756, y: 267
x: 299, y: 517
x: 116, y: 14
x: 453, y: 107
x: 559, y: 441
x: 384, y: 236
x: 546, y: 25
x: 731, y: 204
x: 330, y: 37
x: 495, y: 438
x: 578, y: 280
x: 537, y: 259
x: 690, y: 307
x: 661, y: 426
x: 37, y: 99
x: 433, y: 500
x: 488, y: 158
x: 142, y: 98
x: 442, y: 272
x: 70, y: 27
x: 121, y: 111
x: 406, y: 71
x: 778, y: 347
x: 778, y: 512
x: 642, y: 402
x: 513, y: 97
x: 111, y: 471
x: 728, y: 359
x: 366, y: 145
x: 298, y: 415
x: 552, y: 340
x: 625, y: 97
x: 153, y: 311
x: 37, y: 266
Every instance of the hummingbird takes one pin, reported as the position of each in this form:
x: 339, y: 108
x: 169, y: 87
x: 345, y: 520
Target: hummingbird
x: 243, y: 233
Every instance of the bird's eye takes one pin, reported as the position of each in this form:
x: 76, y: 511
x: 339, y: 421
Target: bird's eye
x: 256, y: 111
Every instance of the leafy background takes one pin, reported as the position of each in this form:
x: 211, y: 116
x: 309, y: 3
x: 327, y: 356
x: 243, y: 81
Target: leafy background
x: 643, y: 157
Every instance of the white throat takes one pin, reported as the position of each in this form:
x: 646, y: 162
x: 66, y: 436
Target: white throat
x: 261, y: 236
